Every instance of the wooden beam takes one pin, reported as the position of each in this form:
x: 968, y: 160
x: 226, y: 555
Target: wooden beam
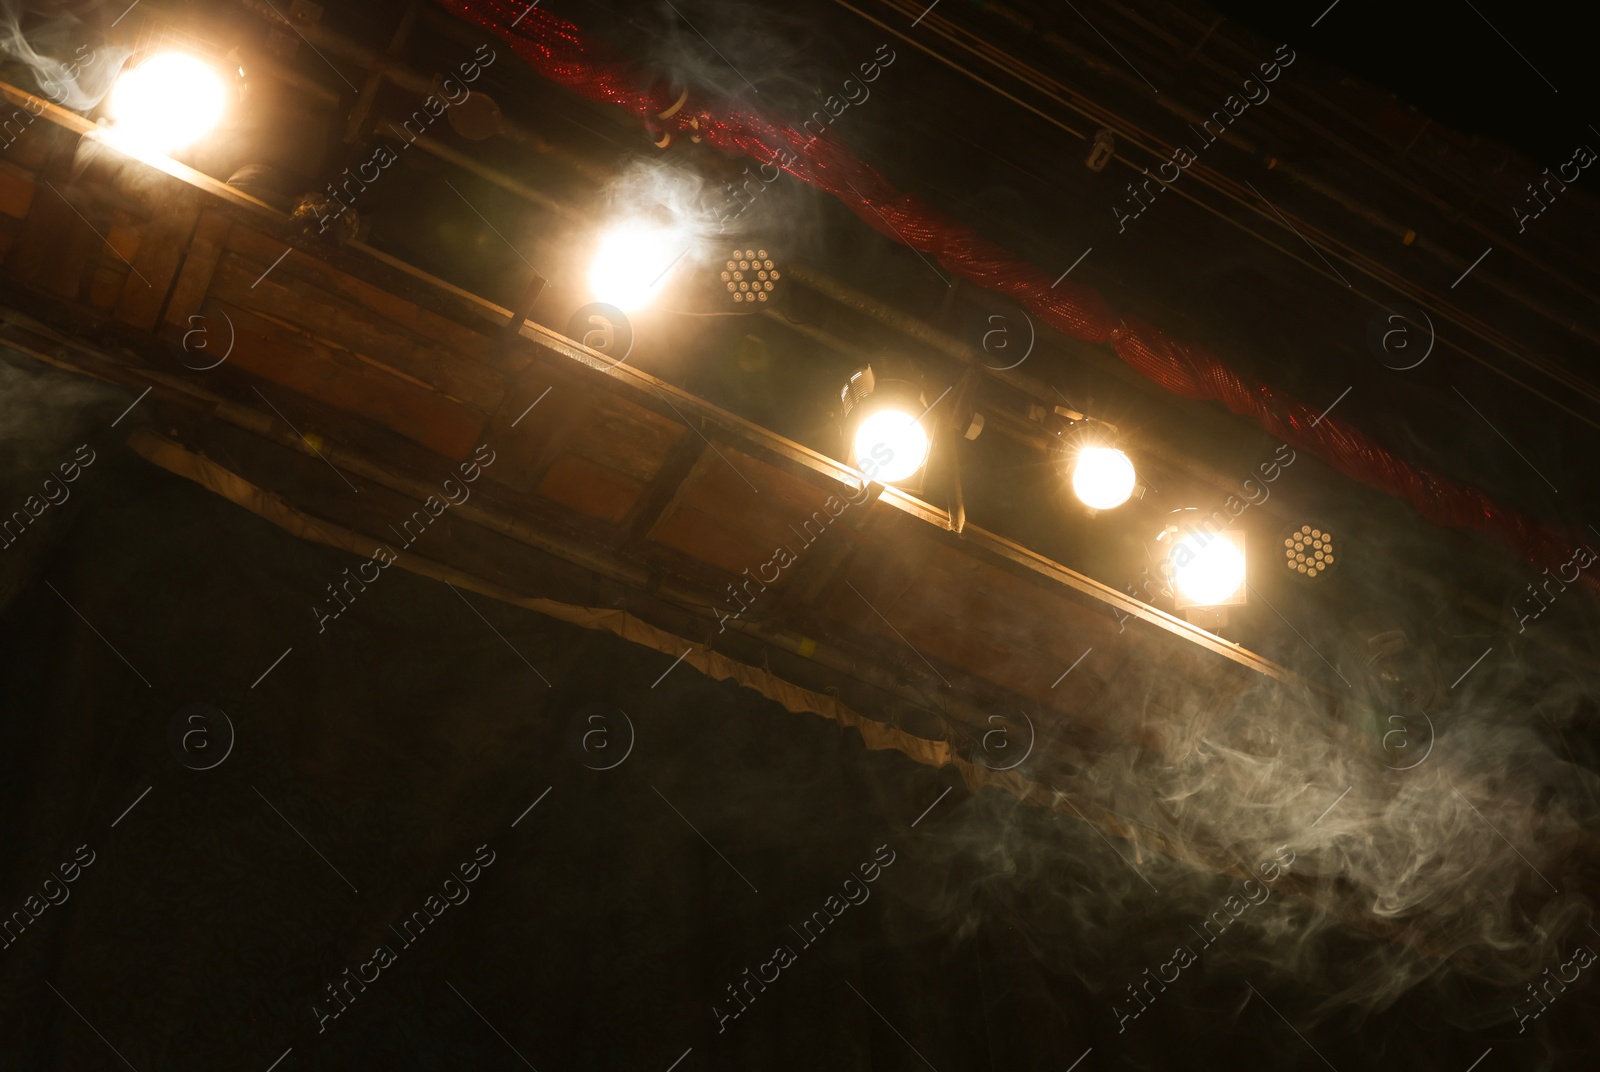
x: 665, y: 490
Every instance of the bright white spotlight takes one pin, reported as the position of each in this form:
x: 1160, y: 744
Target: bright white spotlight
x: 631, y: 262
x: 1207, y: 569
x: 169, y: 101
x: 891, y: 445
x: 1102, y: 477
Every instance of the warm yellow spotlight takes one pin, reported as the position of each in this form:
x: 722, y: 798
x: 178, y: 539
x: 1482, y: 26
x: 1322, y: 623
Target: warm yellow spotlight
x: 632, y: 261
x: 1102, y: 477
x: 891, y: 445
x: 1207, y: 569
x: 169, y: 101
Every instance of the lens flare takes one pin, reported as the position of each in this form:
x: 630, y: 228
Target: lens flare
x: 631, y: 262
x: 169, y: 101
x: 1207, y: 569
x: 1102, y: 477
x: 890, y: 445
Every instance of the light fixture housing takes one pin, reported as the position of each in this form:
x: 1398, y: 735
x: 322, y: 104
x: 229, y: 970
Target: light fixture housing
x: 1206, y: 568
x: 167, y: 102
x: 883, y: 407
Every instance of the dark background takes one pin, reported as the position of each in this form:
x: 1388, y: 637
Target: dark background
x: 1444, y: 59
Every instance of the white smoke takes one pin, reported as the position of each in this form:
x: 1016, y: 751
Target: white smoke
x: 70, y: 61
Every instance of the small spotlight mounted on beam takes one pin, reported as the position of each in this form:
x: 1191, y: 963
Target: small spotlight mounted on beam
x: 1205, y: 565
x: 634, y: 259
x: 1089, y: 456
x: 167, y: 101
x: 883, y: 408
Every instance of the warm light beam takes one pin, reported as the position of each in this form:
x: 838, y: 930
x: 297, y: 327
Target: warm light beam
x: 166, y: 103
x: 890, y: 445
x: 631, y: 263
x: 1102, y: 477
x: 1207, y: 569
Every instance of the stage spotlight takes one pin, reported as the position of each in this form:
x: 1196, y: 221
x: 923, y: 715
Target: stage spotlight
x: 1207, y: 569
x: 166, y: 103
x: 894, y: 442
x: 1308, y: 550
x: 749, y: 276
x: 632, y: 260
x: 1102, y: 477
x: 883, y: 408
x: 1084, y: 450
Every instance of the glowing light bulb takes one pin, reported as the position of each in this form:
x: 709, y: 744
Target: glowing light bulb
x: 1102, y: 477
x: 632, y: 261
x: 1207, y: 570
x: 169, y: 101
x: 890, y: 445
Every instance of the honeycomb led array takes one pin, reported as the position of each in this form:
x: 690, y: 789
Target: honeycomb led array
x: 1308, y: 551
x: 750, y: 276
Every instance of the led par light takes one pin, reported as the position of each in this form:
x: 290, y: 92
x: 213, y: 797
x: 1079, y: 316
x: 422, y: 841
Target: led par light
x: 1308, y: 550
x: 749, y: 277
x: 883, y: 407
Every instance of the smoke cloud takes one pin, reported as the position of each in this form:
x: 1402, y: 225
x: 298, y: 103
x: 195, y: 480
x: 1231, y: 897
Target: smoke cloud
x: 69, y: 59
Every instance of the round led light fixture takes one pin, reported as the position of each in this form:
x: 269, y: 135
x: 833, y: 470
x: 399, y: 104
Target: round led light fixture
x: 1308, y: 550
x: 1207, y: 569
x: 1102, y: 477
x: 750, y: 277
x: 168, y: 102
x: 631, y: 262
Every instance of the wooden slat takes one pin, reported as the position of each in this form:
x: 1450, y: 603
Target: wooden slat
x: 385, y: 306
x: 16, y: 193
x: 721, y: 519
x: 342, y: 380
x: 623, y: 436
x: 592, y: 490
x: 194, y: 278
x: 56, y: 248
x: 404, y: 355
x: 162, y: 242
x: 591, y: 452
x: 668, y: 486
